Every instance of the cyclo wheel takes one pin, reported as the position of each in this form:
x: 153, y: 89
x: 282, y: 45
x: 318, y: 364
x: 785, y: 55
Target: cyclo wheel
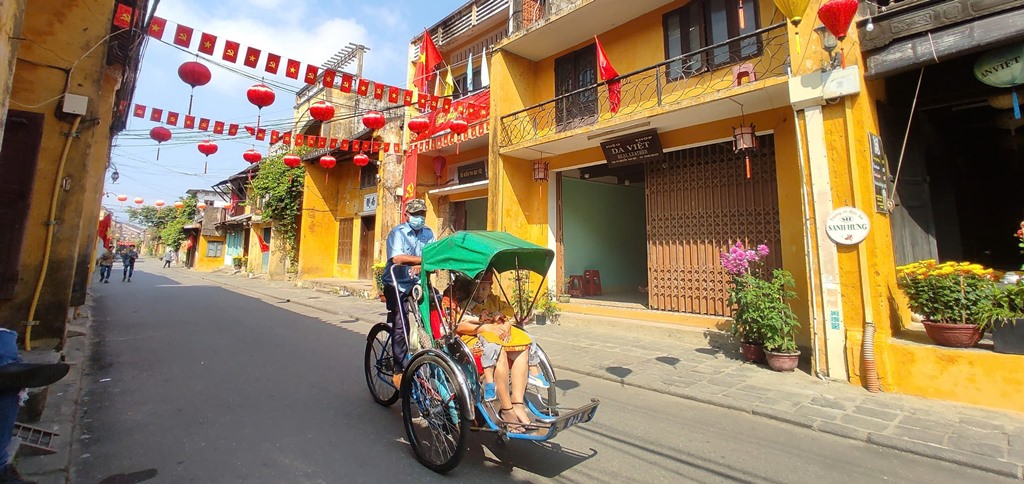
x: 378, y: 364
x: 433, y: 414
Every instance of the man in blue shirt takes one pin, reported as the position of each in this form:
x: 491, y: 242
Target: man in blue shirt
x: 405, y: 249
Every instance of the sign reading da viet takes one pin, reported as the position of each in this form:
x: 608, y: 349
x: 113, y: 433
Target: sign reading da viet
x: 635, y: 148
x: 847, y: 226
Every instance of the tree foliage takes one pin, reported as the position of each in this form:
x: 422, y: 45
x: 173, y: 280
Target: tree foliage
x: 166, y: 224
x: 280, y: 188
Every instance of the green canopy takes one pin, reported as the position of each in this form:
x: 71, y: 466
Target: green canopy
x: 470, y: 252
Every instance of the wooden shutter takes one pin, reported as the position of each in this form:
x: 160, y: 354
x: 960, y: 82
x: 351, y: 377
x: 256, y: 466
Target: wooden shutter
x: 345, y: 241
x: 18, y: 158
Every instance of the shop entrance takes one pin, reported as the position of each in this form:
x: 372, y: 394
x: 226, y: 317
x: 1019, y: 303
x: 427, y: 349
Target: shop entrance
x: 471, y: 214
x: 957, y: 197
x: 603, y: 228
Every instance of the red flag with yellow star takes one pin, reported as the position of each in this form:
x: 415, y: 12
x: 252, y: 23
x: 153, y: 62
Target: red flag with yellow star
x: 156, y: 114
x: 190, y: 121
x: 275, y: 136
x: 286, y: 138
x: 321, y: 142
x: 273, y: 63
x: 311, y: 141
x: 329, y: 78
x: 261, y: 134
x: 393, y: 94
x: 231, y: 49
x: 299, y: 139
x: 232, y: 129
x: 183, y: 36
x: 334, y: 143
x: 218, y: 127
x: 252, y: 57
x: 344, y: 145
x: 207, y: 42
x: 364, y: 86
x: 293, y: 69
x: 311, y: 72
x: 156, y: 28
x: 204, y: 124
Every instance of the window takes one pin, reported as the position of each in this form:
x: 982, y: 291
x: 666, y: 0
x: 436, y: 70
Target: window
x: 214, y: 248
x: 461, y: 89
x: 368, y: 176
x: 703, y: 23
x: 345, y: 241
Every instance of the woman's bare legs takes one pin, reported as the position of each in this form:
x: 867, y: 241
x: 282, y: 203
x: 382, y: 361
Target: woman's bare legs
x: 501, y: 388
x: 519, y: 372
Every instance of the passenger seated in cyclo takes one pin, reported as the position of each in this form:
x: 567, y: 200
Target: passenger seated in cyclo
x: 488, y: 331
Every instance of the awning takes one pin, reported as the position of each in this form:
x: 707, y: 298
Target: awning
x: 237, y: 220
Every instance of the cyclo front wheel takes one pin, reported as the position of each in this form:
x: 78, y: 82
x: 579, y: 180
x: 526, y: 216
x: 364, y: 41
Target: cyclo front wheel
x: 378, y: 364
x: 433, y: 413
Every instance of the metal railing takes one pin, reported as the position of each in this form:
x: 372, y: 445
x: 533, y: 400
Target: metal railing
x: 757, y: 55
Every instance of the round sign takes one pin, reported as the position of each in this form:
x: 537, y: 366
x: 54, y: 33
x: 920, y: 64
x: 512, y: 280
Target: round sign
x: 1002, y: 67
x: 847, y: 225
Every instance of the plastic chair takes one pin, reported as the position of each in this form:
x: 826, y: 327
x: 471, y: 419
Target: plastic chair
x: 592, y: 282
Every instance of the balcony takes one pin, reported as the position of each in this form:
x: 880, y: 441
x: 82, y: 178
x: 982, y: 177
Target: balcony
x: 749, y: 70
x: 542, y: 28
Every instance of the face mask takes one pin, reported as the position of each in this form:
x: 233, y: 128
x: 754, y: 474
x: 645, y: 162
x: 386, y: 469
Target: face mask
x: 417, y: 221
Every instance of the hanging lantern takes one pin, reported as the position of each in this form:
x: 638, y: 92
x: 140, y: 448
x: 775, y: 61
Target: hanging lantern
x: 321, y: 111
x: 207, y: 148
x: 440, y: 163
x: 458, y: 126
x: 159, y: 204
x: 201, y: 205
x: 836, y: 15
x: 418, y: 125
x: 159, y: 134
x: 361, y: 160
x: 194, y: 74
x: 744, y: 140
x: 292, y: 161
x: 179, y: 205
x: 1003, y: 67
x: 328, y: 162
x: 122, y: 198
x: 138, y: 200
x: 794, y: 11
x: 540, y: 170
x: 374, y: 120
x: 260, y: 96
x: 252, y: 156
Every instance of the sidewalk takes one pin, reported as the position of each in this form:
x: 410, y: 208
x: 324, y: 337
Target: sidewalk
x: 989, y: 440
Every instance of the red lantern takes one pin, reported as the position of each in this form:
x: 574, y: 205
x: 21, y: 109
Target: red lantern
x: 374, y: 120
x: 458, y: 126
x: 179, y: 205
x: 361, y: 160
x: 122, y: 198
x: 328, y: 162
x: 138, y: 200
x: 193, y: 74
x: 159, y: 204
x: 261, y: 96
x: 159, y: 134
x: 836, y: 15
x: 201, y: 206
x: 252, y: 156
x: 439, y: 163
x: 207, y: 148
x: 292, y: 161
x: 419, y: 125
x: 321, y: 111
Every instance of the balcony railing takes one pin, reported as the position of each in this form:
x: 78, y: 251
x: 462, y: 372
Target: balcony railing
x: 757, y: 55
x: 528, y: 13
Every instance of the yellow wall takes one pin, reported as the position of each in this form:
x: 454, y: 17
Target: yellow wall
x: 204, y: 263
x: 326, y: 200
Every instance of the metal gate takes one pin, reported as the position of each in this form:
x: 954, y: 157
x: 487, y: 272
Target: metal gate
x: 699, y: 202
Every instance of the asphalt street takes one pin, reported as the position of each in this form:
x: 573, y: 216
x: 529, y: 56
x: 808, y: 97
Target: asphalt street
x: 191, y: 382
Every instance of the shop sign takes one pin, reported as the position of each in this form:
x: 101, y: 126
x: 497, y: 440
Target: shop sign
x: 880, y: 174
x: 634, y: 148
x: 370, y: 202
x: 847, y: 226
x: 472, y: 172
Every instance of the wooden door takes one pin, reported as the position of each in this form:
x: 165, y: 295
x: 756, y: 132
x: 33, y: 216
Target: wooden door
x: 576, y: 71
x: 266, y: 255
x: 19, y: 154
x: 366, y: 240
x: 699, y: 202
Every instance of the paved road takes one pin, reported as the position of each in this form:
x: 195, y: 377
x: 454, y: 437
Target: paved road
x: 190, y: 382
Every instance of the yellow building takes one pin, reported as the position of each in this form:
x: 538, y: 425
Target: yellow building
x: 69, y: 73
x: 649, y: 188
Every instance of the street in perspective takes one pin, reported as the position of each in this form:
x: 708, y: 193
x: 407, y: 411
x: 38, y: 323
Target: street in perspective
x: 511, y: 241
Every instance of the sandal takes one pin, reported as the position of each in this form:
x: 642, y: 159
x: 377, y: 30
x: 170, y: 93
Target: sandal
x: 526, y: 425
x: 511, y: 427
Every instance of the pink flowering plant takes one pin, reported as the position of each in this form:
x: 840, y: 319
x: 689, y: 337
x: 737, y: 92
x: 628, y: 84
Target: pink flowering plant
x: 761, y: 312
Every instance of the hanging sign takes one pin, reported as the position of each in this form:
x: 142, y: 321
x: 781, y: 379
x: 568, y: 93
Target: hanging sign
x: 1002, y: 67
x: 472, y: 172
x: 635, y: 148
x: 370, y: 202
x: 847, y: 226
x: 880, y: 173
x: 472, y: 109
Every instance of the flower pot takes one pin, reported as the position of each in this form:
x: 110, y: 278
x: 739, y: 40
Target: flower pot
x: 752, y: 352
x: 540, y: 318
x: 1008, y: 338
x: 563, y: 298
x: 953, y: 335
x: 382, y: 298
x: 782, y: 361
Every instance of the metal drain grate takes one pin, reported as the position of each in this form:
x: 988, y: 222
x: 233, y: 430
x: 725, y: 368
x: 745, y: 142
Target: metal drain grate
x: 36, y: 441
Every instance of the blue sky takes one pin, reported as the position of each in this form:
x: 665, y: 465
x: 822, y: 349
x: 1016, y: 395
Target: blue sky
x: 310, y: 31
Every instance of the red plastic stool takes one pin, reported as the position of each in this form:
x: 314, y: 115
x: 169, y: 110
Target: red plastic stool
x: 575, y: 286
x: 591, y: 283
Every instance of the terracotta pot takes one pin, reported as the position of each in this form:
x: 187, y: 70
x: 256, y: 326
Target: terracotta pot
x: 382, y: 298
x: 953, y: 335
x: 753, y: 352
x: 783, y: 361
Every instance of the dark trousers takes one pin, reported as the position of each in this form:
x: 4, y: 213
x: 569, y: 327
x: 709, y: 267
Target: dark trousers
x: 399, y: 328
x: 104, y: 273
x: 167, y: 263
x: 129, y: 268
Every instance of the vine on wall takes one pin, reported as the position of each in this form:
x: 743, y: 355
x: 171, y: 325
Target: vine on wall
x: 280, y: 188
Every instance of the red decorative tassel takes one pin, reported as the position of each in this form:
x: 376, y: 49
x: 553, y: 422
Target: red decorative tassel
x: 748, y: 166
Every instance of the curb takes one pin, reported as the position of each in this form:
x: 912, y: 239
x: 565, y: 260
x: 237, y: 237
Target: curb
x: 975, y: 461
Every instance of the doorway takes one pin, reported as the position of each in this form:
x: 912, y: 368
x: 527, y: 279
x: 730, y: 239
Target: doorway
x: 367, y: 237
x: 471, y: 214
x: 18, y: 157
x: 266, y: 255
x: 575, y: 71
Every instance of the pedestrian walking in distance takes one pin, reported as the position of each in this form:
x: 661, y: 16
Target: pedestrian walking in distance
x: 168, y: 257
x: 128, y: 260
x: 106, y: 263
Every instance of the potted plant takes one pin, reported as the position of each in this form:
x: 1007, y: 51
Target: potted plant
x: 237, y: 262
x: 547, y: 308
x: 563, y: 294
x: 744, y: 267
x: 378, y: 279
x: 955, y: 299
x: 1007, y: 319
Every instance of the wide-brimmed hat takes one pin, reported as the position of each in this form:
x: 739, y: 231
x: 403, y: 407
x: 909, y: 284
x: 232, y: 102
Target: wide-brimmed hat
x: 415, y: 205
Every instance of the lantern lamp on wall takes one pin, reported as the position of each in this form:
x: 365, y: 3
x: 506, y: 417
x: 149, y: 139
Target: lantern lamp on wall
x: 440, y: 163
x: 828, y: 44
x: 744, y: 140
x: 540, y: 170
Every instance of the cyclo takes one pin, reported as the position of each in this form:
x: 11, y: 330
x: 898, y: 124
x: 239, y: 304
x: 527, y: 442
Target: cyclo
x: 441, y: 391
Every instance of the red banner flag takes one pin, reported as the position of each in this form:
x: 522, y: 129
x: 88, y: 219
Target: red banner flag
x: 275, y: 136
x: 156, y: 28
x: 263, y: 245
x: 386, y: 147
x: 422, y: 99
x: 252, y: 57
x: 286, y: 138
x: 183, y: 36
x: 231, y: 49
x: 447, y: 103
x: 190, y: 121
x: 366, y: 146
x: 172, y: 118
x: 429, y: 58
x: 123, y: 16
x: 261, y: 134
x: 311, y: 72
x: 293, y: 69
x: 364, y: 86
x: 140, y: 111
x: 251, y: 130
x: 206, y: 43
x: 299, y: 139
x: 329, y: 78
x: 156, y: 114
x: 232, y: 129
x: 608, y: 73
x: 407, y: 97
x: 344, y: 145
x: 204, y: 124
x: 346, y: 83
x: 321, y: 142
x: 378, y: 91
x: 273, y: 63
x: 311, y: 141
x: 334, y: 143
x: 218, y: 127
x: 409, y: 178
x: 473, y: 108
x: 394, y: 93
x: 375, y: 147
x: 434, y: 101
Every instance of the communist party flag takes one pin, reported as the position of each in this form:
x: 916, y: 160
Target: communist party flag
x: 407, y: 97
x: 430, y: 57
x: 329, y: 78
x: 204, y: 124
x: 232, y: 129
x: 344, y: 145
x: 252, y: 56
x: 311, y: 72
x: 275, y: 136
x: 123, y: 17
x: 378, y: 91
x: 207, y: 42
x: 261, y: 134
x: 218, y: 127
x: 140, y: 111
x: 156, y: 28
x: 156, y: 114
x: 190, y: 121
x: 608, y: 73
x: 364, y: 86
x: 334, y: 143
x: 273, y: 63
x: 293, y: 69
x: 172, y: 118
x: 311, y: 141
x: 231, y: 51
x: 346, y: 83
x: 183, y: 36
x: 321, y: 142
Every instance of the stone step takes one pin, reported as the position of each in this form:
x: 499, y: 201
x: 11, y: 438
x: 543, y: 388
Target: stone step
x: 692, y: 335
